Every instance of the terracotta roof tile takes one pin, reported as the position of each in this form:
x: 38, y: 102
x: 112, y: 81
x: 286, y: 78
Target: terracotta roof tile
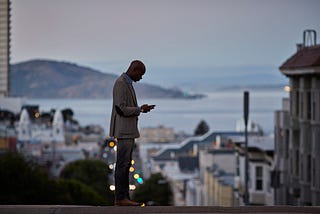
x: 305, y: 57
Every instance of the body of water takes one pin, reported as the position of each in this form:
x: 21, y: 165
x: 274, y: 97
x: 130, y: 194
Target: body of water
x: 221, y: 110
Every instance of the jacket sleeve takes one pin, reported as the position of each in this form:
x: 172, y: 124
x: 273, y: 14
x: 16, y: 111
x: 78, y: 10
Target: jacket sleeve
x: 121, y: 95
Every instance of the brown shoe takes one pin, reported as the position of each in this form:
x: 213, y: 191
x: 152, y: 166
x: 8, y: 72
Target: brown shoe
x: 127, y: 202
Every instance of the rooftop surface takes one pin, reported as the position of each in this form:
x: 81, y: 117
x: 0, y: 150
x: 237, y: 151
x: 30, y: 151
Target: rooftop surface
x: 303, y: 58
x: 63, y: 209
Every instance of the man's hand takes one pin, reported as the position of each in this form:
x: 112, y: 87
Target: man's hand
x: 146, y: 108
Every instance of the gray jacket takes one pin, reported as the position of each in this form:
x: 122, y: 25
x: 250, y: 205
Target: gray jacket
x: 125, y: 110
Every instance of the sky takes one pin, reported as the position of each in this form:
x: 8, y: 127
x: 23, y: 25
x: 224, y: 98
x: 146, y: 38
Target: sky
x: 107, y: 35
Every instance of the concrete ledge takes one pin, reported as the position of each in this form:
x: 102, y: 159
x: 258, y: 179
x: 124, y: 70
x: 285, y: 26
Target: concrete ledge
x: 66, y: 209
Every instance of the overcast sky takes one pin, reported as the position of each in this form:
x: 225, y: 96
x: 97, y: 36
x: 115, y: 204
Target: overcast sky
x: 107, y: 35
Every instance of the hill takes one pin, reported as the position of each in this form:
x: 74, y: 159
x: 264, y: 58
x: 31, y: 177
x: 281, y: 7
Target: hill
x: 53, y: 79
x: 212, y: 78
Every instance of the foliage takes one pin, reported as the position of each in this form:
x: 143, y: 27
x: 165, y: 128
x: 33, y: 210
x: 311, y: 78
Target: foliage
x: 23, y: 182
x: 155, y: 190
x: 92, y: 173
x: 202, y: 128
x: 67, y: 114
x: 79, y: 193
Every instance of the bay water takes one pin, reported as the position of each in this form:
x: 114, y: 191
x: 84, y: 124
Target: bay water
x: 220, y: 109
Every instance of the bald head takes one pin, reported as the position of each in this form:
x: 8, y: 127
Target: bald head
x: 136, y: 70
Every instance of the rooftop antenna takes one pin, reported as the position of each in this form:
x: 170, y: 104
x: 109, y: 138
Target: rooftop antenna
x: 309, y: 38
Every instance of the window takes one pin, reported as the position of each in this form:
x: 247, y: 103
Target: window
x: 314, y: 106
x: 317, y: 106
x: 313, y: 173
x: 291, y: 165
x: 297, y: 163
x: 308, y: 105
x: 301, y: 114
x: 286, y: 138
x: 237, y: 165
x: 259, y: 178
x: 301, y: 168
x: 297, y: 103
x: 309, y: 169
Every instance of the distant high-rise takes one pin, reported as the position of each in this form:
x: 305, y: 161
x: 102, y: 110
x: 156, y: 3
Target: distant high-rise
x: 4, y: 47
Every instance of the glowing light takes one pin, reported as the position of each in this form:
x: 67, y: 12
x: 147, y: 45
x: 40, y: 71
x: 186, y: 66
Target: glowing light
x: 143, y: 205
x: 287, y: 88
x: 112, y: 187
x: 132, y: 187
x: 136, y: 176
x: 132, y: 162
x: 115, y: 148
x: 111, y: 144
x: 131, y: 169
x: 111, y: 166
x: 105, y: 155
x: 140, y: 180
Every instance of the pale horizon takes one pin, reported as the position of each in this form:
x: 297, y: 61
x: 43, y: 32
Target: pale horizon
x: 107, y: 35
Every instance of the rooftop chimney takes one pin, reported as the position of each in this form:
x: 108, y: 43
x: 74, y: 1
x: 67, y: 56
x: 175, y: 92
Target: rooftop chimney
x: 309, y: 38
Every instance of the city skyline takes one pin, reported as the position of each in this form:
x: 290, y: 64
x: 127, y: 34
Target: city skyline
x: 106, y: 35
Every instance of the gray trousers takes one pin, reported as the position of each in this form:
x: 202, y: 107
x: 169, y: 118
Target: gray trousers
x: 124, y: 157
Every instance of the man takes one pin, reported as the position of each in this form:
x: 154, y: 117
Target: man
x: 124, y: 127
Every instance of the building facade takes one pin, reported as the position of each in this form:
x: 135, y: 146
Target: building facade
x: 280, y: 174
x: 158, y: 134
x: 4, y: 47
x: 303, y: 71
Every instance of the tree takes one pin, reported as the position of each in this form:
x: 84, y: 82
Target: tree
x: 76, y: 192
x: 67, y: 114
x: 93, y: 173
x: 202, y: 128
x: 154, y: 190
x: 24, y: 182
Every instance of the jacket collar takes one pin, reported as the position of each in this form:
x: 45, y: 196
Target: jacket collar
x: 133, y: 94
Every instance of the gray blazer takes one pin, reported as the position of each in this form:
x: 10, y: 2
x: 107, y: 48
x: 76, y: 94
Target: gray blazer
x: 125, y: 110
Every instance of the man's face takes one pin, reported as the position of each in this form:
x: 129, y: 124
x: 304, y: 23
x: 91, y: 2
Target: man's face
x: 137, y: 76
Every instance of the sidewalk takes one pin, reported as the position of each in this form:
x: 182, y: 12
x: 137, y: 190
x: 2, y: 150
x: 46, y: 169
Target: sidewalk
x: 64, y: 209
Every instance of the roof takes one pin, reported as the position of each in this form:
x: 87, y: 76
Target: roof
x: 222, y: 151
x: 305, y: 57
x: 186, y: 146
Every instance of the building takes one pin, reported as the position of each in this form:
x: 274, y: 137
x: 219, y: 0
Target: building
x: 303, y: 71
x: 47, y: 143
x: 35, y: 139
x: 209, y: 170
x: 217, y: 177
x: 158, y: 134
x: 4, y: 47
x: 8, y: 139
x: 260, y: 153
x: 12, y: 104
x: 222, y: 172
x: 281, y: 155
